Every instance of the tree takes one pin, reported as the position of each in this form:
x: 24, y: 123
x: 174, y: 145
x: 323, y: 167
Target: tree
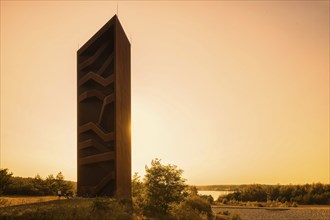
x: 164, y: 185
x: 50, y: 184
x: 59, y: 176
x: 39, y: 185
x: 138, y: 194
x: 137, y: 185
x: 192, y: 190
x: 63, y: 186
x: 5, y: 179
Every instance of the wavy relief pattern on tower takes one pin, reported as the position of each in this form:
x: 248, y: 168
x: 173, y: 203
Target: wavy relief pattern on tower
x: 96, y: 117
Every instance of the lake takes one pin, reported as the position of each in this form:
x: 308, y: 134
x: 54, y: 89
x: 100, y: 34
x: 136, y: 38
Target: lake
x: 214, y: 194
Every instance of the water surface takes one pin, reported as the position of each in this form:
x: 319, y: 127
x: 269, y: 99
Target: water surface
x: 214, y: 194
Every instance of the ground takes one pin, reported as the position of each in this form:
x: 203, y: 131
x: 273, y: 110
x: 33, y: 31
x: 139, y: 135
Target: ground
x: 266, y: 213
x: 51, y: 207
x: 19, y: 200
x: 75, y: 208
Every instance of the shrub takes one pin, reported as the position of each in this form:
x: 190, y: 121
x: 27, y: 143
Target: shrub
x: 183, y: 211
x: 200, y: 204
x: 193, y: 207
x: 100, y: 204
x: 209, y: 198
x: 108, y: 208
x: 226, y: 212
x: 235, y: 217
x: 294, y: 204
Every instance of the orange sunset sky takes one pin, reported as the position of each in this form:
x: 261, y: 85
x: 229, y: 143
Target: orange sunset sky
x: 230, y: 91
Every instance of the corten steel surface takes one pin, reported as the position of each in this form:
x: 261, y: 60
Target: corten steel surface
x: 104, y: 113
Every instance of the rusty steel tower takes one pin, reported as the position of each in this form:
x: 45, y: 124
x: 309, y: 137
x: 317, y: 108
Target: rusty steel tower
x: 104, y: 113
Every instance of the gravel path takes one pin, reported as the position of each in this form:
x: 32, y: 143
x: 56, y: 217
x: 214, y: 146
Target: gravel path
x: 304, y: 213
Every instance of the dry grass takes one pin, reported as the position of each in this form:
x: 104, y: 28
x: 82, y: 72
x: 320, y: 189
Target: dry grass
x: 42, y: 207
x: 68, y: 209
x: 20, y: 200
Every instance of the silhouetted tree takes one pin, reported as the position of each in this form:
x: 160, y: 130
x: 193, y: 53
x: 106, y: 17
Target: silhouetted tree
x: 137, y: 185
x: 33, y: 186
x: 316, y: 193
x: 51, y: 184
x: 5, y: 179
x: 138, y: 194
x: 62, y: 185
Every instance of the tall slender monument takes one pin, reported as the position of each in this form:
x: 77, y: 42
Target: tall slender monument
x: 104, y: 113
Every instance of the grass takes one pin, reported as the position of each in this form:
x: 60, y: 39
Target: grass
x: 20, y: 200
x: 77, y: 208
x: 51, y: 207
